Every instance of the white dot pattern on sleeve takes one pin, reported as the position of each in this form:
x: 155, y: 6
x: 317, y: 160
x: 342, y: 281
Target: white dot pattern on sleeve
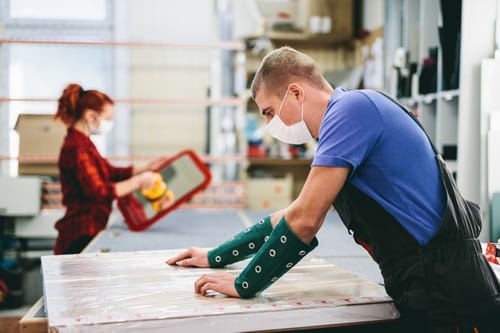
x: 282, y: 252
x: 235, y: 253
x: 218, y: 259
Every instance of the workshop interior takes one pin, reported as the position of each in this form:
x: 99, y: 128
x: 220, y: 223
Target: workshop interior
x: 179, y: 73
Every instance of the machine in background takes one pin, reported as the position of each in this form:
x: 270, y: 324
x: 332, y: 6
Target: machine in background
x: 26, y: 233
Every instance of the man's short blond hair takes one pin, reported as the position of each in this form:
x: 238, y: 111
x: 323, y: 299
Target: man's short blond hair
x: 283, y: 66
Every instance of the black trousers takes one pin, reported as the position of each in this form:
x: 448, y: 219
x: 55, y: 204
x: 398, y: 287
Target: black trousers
x: 78, y: 245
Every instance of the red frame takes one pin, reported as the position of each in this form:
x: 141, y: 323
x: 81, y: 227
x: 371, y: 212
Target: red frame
x: 137, y: 221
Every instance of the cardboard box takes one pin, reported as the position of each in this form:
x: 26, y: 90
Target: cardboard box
x: 40, y: 139
x: 269, y: 193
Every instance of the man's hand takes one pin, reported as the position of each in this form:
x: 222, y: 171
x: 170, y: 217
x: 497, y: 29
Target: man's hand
x: 192, y: 257
x: 220, y: 282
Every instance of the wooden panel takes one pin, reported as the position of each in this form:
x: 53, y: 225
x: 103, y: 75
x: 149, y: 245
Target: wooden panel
x: 31, y: 323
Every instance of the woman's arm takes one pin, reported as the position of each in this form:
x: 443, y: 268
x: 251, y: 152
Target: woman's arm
x: 96, y: 186
x: 143, y: 180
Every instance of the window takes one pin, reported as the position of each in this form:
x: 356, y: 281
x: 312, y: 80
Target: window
x: 58, y: 9
x: 41, y: 70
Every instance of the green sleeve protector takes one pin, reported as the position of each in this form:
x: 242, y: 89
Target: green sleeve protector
x: 281, y: 252
x: 244, y: 244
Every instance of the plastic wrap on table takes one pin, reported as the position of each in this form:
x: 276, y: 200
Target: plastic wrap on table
x: 103, y: 288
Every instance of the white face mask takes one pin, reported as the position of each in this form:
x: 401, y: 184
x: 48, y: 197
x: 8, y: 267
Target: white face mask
x: 294, y: 134
x: 104, y: 127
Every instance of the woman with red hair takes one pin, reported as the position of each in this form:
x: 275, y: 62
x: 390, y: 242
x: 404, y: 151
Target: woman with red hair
x: 89, y: 182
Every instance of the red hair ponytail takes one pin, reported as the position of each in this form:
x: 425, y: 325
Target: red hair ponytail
x: 74, y: 101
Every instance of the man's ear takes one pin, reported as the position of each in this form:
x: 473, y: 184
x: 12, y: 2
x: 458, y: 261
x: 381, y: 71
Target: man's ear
x: 297, y: 91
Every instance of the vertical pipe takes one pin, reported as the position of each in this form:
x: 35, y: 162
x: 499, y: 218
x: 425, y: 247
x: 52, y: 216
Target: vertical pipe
x: 227, y: 140
x: 121, y: 142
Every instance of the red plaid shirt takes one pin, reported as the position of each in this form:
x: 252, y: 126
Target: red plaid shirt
x: 87, y: 182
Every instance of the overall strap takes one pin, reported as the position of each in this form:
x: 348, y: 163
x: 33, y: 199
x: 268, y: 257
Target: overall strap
x: 466, y: 215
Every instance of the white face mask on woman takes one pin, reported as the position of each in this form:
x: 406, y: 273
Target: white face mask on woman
x: 295, y: 134
x: 104, y: 127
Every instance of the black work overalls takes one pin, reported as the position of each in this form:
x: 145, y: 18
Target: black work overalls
x: 444, y: 286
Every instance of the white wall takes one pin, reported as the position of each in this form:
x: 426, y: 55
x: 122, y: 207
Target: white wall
x: 477, y: 43
x: 188, y: 21
x: 373, y: 14
x: 169, y: 73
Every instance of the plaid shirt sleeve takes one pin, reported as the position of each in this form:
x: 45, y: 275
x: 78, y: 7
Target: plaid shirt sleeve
x: 117, y: 174
x: 94, y: 181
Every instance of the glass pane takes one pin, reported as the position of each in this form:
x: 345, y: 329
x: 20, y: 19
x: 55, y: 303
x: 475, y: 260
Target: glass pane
x: 58, y: 9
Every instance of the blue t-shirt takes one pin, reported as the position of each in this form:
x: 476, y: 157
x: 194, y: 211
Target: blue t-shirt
x: 390, y: 157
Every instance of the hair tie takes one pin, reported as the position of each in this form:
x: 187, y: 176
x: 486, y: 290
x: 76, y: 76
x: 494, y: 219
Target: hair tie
x: 82, y: 91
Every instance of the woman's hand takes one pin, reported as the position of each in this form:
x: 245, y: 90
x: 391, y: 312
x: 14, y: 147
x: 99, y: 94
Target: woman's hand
x: 154, y: 164
x: 220, y: 282
x: 166, y: 202
x: 192, y: 257
x: 146, y: 180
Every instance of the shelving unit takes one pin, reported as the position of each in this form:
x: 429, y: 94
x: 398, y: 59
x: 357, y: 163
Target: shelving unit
x: 332, y: 51
x: 277, y: 167
x: 415, y: 27
x: 307, y: 38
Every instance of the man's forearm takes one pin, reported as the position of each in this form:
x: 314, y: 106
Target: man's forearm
x: 242, y: 245
x: 281, y: 251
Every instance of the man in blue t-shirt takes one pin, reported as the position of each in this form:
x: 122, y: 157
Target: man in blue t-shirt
x: 380, y: 171
x: 389, y: 158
